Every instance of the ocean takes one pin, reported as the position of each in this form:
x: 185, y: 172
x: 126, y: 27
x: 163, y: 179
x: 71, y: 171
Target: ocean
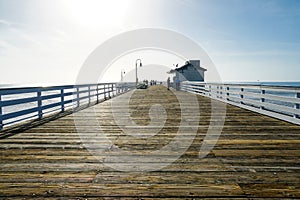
x: 284, y: 84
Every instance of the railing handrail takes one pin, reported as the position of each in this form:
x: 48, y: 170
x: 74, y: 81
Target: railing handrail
x: 254, y: 85
x: 68, y: 96
x: 48, y: 88
x: 257, y: 98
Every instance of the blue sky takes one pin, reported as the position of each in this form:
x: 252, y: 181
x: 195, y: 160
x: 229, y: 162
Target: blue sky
x: 47, y: 41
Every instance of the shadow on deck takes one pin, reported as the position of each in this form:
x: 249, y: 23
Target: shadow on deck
x: 255, y: 156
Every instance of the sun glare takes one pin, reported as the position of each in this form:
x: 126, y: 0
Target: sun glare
x: 98, y: 13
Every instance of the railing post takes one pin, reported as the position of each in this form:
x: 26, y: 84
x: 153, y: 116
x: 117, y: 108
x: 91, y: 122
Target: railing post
x: 221, y: 92
x: 1, y: 120
x: 104, y: 91
x: 62, y: 100
x: 40, y: 110
x: 89, y: 92
x: 113, y: 89
x: 109, y: 91
x: 202, y: 89
x: 110, y: 86
x: 227, y: 93
x: 77, y: 95
x: 262, y: 99
x: 297, y: 105
x: 97, y: 93
x: 242, y: 96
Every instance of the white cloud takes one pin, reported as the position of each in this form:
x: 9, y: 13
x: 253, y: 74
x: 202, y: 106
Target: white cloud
x: 255, y: 53
x: 5, y: 22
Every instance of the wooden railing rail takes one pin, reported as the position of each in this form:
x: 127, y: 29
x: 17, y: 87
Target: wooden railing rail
x: 281, y: 102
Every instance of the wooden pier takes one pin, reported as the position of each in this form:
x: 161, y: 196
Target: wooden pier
x: 256, y: 156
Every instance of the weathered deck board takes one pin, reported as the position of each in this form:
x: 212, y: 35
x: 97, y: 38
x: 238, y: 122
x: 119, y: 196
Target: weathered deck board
x: 255, y: 156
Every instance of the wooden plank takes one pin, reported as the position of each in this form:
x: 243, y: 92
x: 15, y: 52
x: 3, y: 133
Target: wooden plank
x: 149, y: 177
x: 119, y: 190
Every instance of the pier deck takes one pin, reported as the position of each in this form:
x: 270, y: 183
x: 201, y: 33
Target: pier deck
x: 255, y: 156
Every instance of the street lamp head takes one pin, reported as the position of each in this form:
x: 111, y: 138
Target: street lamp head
x: 136, y: 62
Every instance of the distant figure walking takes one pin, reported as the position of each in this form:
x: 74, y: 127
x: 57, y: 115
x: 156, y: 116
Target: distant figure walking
x: 168, y: 83
x: 177, y: 82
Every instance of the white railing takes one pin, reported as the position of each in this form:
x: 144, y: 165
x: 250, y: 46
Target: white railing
x: 282, y: 102
x: 20, y: 104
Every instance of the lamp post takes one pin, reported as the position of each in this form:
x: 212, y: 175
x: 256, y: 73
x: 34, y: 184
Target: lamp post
x: 136, y: 64
x: 122, y: 72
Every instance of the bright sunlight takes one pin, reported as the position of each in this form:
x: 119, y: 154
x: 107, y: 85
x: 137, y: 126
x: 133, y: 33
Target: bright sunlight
x: 98, y: 13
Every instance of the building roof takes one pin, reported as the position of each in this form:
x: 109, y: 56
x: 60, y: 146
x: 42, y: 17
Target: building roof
x: 184, y: 67
x: 188, y: 64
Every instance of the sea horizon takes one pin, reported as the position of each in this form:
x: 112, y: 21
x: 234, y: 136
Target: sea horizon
x: 266, y: 83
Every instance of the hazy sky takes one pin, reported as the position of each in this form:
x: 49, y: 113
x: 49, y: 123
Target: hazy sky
x: 47, y: 41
